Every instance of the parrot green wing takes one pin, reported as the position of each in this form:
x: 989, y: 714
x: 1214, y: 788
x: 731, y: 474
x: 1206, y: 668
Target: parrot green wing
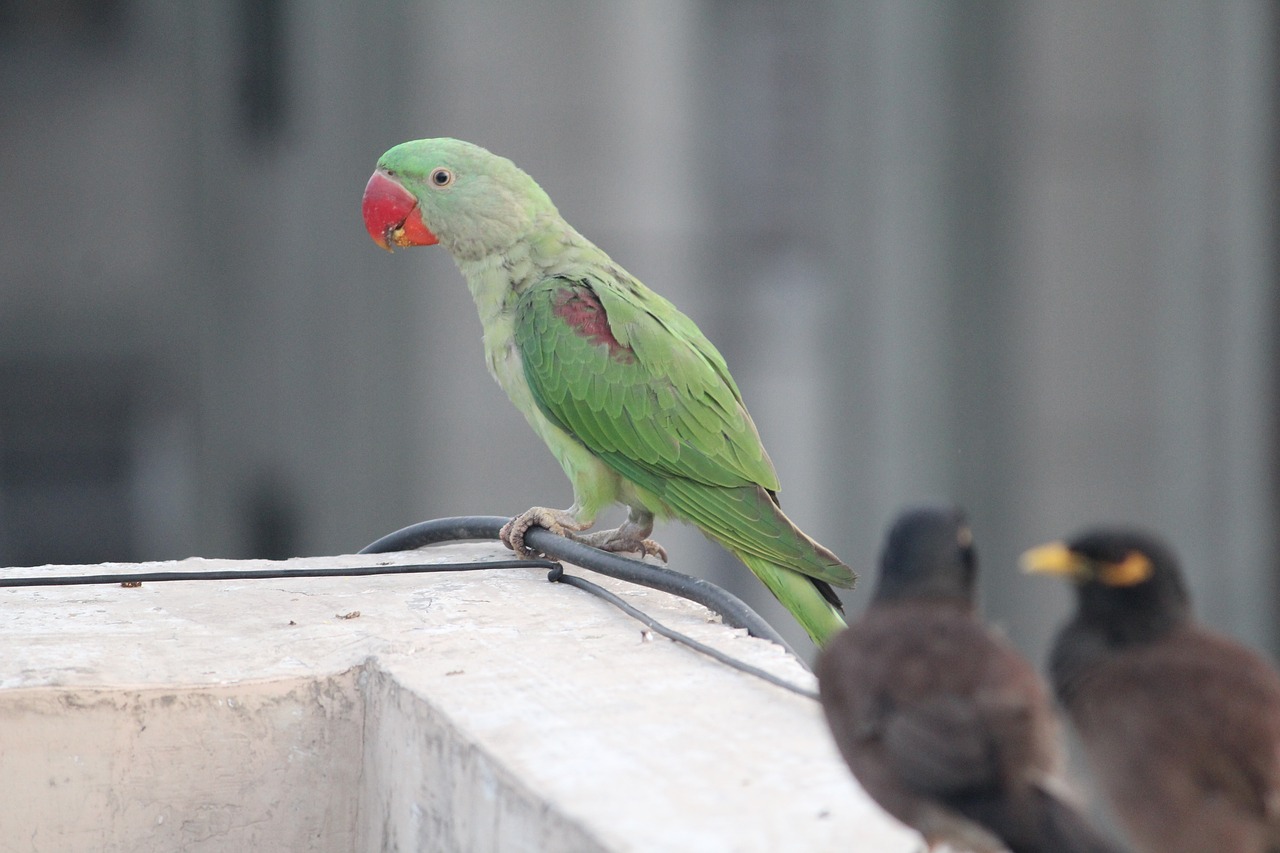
x: 622, y: 370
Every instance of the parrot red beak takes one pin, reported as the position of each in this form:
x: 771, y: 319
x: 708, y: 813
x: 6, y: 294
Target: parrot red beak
x: 391, y: 214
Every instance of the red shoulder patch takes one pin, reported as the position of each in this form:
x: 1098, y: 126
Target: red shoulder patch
x: 581, y: 309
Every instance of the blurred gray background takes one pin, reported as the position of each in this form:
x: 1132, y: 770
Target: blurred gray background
x: 1016, y: 255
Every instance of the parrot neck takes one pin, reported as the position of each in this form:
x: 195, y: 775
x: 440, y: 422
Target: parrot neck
x: 497, y: 278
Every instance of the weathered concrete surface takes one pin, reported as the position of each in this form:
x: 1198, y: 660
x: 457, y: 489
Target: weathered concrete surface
x: 479, y: 711
x: 267, y: 766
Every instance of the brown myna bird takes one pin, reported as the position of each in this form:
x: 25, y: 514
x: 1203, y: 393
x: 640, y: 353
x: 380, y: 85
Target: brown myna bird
x: 941, y: 721
x: 1181, y: 726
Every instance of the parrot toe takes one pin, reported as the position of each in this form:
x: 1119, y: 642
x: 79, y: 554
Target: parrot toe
x: 558, y: 521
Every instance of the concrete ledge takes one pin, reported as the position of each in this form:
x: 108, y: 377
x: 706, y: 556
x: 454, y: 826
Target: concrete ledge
x: 479, y: 711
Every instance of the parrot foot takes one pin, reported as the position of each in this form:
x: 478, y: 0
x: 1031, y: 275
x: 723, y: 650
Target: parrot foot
x: 630, y: 538
x: 558, y: 521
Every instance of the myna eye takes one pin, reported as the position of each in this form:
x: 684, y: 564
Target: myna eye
x: 441, y: 177
x: 1134, y: 569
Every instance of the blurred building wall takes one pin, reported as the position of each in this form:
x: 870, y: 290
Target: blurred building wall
x: 1013, y: 255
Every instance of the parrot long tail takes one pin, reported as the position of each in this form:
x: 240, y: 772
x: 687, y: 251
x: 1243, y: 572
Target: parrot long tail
x: 802, y: 597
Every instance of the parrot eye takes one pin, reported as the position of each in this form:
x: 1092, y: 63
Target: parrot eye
x: 442, y: 177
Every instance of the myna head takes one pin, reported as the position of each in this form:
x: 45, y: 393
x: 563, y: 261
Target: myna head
x: 928, y: 553
x: 1127, y: 581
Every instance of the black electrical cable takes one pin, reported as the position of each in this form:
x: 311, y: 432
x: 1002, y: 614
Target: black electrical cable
x: 130, y: 578
x: 733, y: 610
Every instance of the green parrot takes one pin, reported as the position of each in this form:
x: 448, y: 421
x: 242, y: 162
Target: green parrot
x: 633, y: 400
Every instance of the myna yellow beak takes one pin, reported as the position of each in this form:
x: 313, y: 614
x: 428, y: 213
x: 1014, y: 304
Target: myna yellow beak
x: 1055, y: 558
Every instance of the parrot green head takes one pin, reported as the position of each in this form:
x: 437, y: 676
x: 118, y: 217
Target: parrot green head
x: 453, y: 193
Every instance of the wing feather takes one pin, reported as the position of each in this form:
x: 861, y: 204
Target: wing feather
x: 633, y: 379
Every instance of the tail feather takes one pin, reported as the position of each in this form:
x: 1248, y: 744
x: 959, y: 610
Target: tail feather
x: 829, y: 593
x: 810, y: 601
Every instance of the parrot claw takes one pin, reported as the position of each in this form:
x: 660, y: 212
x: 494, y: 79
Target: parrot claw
x: 558, y: 521
x: 653, y: 549
x: 644, y: 547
